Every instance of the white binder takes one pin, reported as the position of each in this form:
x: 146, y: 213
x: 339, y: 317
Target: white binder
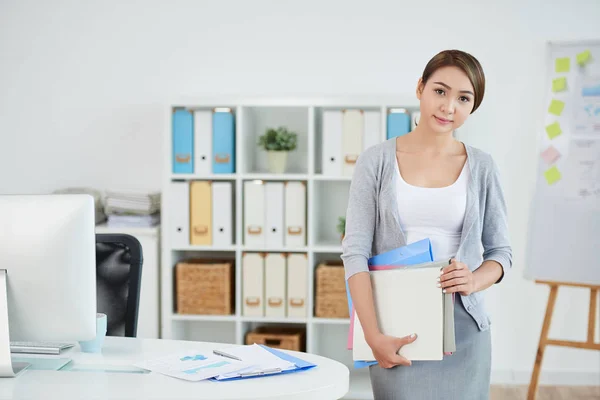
x: 275, y: 285
x: 395, y: 293
x: 332, y: 142
x: 372, y: 134
x: 179, y: 224
x: 253, y: 284
x: 414, y: 120
x: 274, y: 195
x: 295, y: 214
x: 222, y: 210
x: 297, y: 288
x: 353, y: 126
x: 254, y: 214
x: 203, y: 142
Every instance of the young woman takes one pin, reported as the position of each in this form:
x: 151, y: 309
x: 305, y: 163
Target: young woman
x: 426, y: 184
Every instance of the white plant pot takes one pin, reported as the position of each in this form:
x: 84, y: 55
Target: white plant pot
x: 277, y: 161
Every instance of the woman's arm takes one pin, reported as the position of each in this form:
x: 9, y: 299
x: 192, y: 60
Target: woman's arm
x: 358, y: 240
x: 494, y: 235
x: 497, y: 252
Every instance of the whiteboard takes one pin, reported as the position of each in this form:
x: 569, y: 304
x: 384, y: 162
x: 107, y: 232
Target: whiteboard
x: 564, y: 225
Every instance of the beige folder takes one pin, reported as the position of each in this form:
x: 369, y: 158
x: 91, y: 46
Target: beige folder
x: 297, y: 288
x: 353, y: 126
x: 200, y: 213
x: 275, y: 285
x: 253, y: 271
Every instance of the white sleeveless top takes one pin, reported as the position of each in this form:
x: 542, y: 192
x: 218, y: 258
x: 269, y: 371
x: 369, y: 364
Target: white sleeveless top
x: 434, y: 213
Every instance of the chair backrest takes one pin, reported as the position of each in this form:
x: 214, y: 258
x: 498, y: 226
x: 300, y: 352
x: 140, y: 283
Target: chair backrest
x: 118, y: 282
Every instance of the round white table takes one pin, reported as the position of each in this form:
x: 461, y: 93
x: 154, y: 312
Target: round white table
x: 110, y: 375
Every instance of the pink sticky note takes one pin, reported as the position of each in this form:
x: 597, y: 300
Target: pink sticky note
x: 550, y: 155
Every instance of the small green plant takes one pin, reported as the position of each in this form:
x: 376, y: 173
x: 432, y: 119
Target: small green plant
x: 341, y: 226
x: 279, y: 139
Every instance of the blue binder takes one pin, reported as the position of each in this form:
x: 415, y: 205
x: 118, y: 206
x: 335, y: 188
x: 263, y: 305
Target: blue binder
x: 301, y: 365
x: 398, y: 124
x: 183, y: 142
x: 223, y: 142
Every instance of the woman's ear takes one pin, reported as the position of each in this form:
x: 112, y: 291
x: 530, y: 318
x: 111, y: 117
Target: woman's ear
x: 420, y: 86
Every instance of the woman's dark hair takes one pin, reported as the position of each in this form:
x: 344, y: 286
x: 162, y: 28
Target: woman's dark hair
x: 467, y: 63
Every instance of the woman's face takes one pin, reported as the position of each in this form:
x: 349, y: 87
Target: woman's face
x: 446, y: 100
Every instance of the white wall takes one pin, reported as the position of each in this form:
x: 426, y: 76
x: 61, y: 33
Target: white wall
x: 83, y: 87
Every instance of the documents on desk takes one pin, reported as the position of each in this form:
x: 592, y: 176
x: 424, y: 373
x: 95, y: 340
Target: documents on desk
x: 227, y: 363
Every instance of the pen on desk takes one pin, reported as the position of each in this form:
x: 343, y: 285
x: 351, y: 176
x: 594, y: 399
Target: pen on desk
x: 222, y: 354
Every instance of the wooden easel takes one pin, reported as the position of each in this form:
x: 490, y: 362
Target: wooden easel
x: 544, y: 341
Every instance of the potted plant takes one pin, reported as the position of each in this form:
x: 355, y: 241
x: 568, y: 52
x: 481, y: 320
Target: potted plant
x: 341, y: 226
x: 278, y: 142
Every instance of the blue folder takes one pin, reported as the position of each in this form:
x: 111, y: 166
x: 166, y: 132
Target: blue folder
x: 183, y: 142
x: 223, y: 142
x: 301, y: 365
x: 398, y: 124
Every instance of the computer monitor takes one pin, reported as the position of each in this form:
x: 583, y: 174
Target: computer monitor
x: 47, y: 270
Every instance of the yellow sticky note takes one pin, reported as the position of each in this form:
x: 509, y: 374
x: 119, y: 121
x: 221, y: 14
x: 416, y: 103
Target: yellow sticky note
x: 562, y: 64
x: 584, y: 57
x: 553, y: 130
x: 552, y: 175
x: 559, y: 84
x: 556, y: 107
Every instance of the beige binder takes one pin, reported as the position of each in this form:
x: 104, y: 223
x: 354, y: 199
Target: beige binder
x: 295, y: 214
x: 353, y: 127
x: 253, y: 272
x: 297, y: 288
x: 200, y: 213
x: 275, y: 285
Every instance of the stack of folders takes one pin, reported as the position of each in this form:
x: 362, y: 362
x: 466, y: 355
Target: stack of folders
x: 228, y: 363
x: 407, y: 300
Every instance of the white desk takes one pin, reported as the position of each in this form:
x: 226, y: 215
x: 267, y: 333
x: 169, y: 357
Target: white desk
x: 329, y: 380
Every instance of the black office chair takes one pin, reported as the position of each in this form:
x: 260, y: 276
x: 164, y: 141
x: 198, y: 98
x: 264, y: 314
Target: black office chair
x: 118, y: 282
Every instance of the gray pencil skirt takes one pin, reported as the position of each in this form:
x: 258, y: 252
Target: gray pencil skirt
x: 464, y: 375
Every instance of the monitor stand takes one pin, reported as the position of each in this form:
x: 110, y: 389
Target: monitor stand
x: 7, y: 368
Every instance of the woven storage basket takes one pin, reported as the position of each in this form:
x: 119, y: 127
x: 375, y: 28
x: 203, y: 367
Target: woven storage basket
x: 278, y: 337
x: 205, y: 287
x: 330, y: 294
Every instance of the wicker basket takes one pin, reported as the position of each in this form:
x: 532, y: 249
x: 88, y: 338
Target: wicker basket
x: 205, y: 287
x: 278, y: 337
x: 331, y: 300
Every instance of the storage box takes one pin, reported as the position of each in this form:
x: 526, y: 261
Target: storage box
x: 278, y: 337
x: 330, y: 292
x: 205, y: 287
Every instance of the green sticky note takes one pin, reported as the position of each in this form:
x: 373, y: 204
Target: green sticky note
x: 556, y: 107
x: 552, y: 175
x: 562, y: 64
x: 559, y: 84
x: 584, y: 57
x: 553, y: 130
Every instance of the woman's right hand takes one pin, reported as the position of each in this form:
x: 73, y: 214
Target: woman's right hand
x: 385, y: 349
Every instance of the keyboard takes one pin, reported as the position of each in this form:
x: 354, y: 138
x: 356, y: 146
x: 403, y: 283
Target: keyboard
x: 39, y: 347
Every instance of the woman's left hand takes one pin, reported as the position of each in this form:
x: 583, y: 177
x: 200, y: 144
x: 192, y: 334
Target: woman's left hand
x: 457, y: 277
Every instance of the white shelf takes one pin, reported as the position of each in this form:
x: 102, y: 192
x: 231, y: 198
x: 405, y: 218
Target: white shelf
x: 332, y: 321
x: 212, y: 177
x: 204, y: 248
x: 275, y: 249
x: 215, y: 318
x: 275, y: 177
x: 327, y: 198
x: 327, y: 249
x: 274, y: 320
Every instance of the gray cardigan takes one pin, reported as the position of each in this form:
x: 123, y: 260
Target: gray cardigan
x: 373, y: 221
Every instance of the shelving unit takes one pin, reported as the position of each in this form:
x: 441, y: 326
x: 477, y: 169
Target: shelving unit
x: 327, y: 198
